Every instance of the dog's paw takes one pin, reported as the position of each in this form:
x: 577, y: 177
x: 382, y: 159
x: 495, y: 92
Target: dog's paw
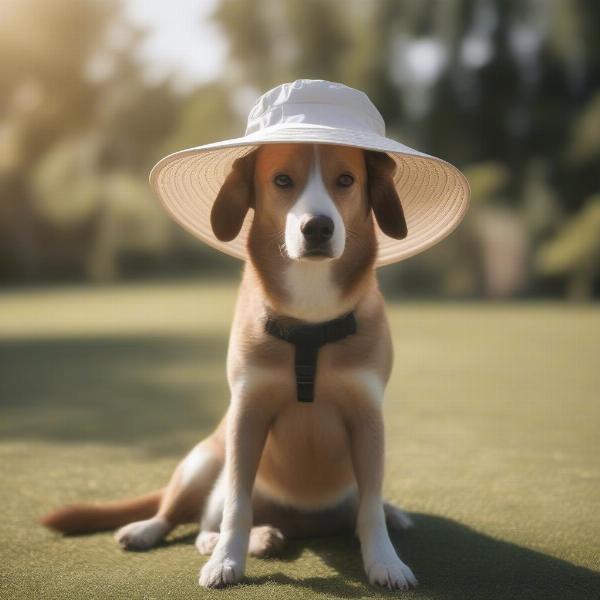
x: 265, y: 541
x: 391, y: 573
x: 206, y: 541
x: 142, y: 535
x: 396, y: 519
x: 219, y: 572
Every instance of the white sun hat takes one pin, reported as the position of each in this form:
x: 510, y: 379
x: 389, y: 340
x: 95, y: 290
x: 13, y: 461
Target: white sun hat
x: 433, y: 193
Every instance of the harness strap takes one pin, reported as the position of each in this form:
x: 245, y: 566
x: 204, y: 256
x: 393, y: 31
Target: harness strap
x: 307, y: 339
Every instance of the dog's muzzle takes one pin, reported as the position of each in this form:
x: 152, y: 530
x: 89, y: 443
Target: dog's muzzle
x: 317, y: 231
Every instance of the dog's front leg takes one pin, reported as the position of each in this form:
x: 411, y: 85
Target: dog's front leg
x: 247, y: 426
x: 382, y: 565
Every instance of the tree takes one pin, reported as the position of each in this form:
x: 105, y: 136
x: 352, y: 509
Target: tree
x: 473, y: 81
x: 574, y: 253
x: 58, y: 117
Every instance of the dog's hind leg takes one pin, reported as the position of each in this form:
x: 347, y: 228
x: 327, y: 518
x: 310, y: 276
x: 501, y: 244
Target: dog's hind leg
x: 338, y: 519
x: 212, y: 515
x: 274, y: 522
x: 265, y: 539
x: 183, y: 498
x: 396, y: 519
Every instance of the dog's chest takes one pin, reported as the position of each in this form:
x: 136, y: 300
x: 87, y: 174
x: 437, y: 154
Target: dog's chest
x: 311, y: 293
x: 310, y: 441
x: 307, y: 455
x: 310, y: 428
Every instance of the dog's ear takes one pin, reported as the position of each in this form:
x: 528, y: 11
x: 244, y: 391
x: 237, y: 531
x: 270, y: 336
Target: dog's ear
x: 234, y: 199
x: 383, y: 196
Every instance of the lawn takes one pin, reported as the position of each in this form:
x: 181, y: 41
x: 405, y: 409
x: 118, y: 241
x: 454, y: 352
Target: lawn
x: 493, y: 425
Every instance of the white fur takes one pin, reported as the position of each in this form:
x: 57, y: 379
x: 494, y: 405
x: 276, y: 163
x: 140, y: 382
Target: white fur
x: 313, y: 297
x: 264, y: 541
x: 249, y: 378
x: 228, y: 560
x: 382, y: 565
x: 196, y: 464
x: 314, y: 200
x: 312, y: 294
x: 221, y: 570
x: 142, y: 535
x: 227, y: 512
x: 213, y: 511
x: 207, y: 541
x: 370, y: 381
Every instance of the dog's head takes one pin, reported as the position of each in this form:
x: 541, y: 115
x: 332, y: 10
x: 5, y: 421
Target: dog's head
x: 311, y: 202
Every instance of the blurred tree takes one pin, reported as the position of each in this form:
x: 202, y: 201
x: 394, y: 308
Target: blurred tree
x: 584, y: 147
x: 272, y: 41
x: 509, y: 84
x: 74, y: 110
x: 43, y: 49
x: 205, y: 115
x: 510, y: 92
x: 575, y: 252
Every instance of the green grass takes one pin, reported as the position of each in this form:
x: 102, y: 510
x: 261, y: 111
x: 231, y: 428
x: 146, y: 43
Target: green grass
x: 492, y: 416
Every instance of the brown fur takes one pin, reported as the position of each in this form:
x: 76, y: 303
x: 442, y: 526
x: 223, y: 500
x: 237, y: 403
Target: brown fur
x: 234, y: 200
x: 383, y: 195
x: 86, y: 518
x: 308, y: 477
x: 299, y: 460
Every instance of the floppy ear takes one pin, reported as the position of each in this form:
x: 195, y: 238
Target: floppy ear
x: 383, y: 196
x: 234, y: 199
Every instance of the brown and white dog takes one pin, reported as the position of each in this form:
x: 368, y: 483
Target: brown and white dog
x: 276, y: 467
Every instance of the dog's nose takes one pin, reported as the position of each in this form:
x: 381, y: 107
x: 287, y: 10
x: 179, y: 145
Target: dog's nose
x: 316, y: 229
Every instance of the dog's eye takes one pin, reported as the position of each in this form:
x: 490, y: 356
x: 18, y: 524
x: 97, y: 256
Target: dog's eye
x: 345, y: 180
x: 283, y: 181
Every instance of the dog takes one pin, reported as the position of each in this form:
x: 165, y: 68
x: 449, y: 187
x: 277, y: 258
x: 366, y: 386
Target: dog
x: 275, y: 467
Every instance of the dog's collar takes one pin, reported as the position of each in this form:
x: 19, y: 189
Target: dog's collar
x: 307, y: 340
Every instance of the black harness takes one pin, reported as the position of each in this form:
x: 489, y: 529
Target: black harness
x: 307, y: 340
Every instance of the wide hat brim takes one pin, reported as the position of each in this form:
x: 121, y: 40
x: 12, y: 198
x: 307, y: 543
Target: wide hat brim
x: 434, y: 194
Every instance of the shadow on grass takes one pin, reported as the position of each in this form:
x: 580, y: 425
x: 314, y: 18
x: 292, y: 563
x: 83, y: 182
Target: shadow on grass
x: 141, y: 390
x: 115, y: 390
x: 451, y: 561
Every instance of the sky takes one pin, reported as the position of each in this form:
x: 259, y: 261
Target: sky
x: 181, y: 39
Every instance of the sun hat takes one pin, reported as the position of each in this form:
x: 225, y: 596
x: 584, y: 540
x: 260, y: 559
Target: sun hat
x: 434, y: 194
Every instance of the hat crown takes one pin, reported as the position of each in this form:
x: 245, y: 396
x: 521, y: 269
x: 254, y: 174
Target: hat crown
x: 315, y: 102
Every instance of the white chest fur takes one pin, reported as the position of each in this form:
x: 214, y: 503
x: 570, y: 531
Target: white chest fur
x: 312, y: 294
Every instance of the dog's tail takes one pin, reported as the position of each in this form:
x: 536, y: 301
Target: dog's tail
x: 87, y: 518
